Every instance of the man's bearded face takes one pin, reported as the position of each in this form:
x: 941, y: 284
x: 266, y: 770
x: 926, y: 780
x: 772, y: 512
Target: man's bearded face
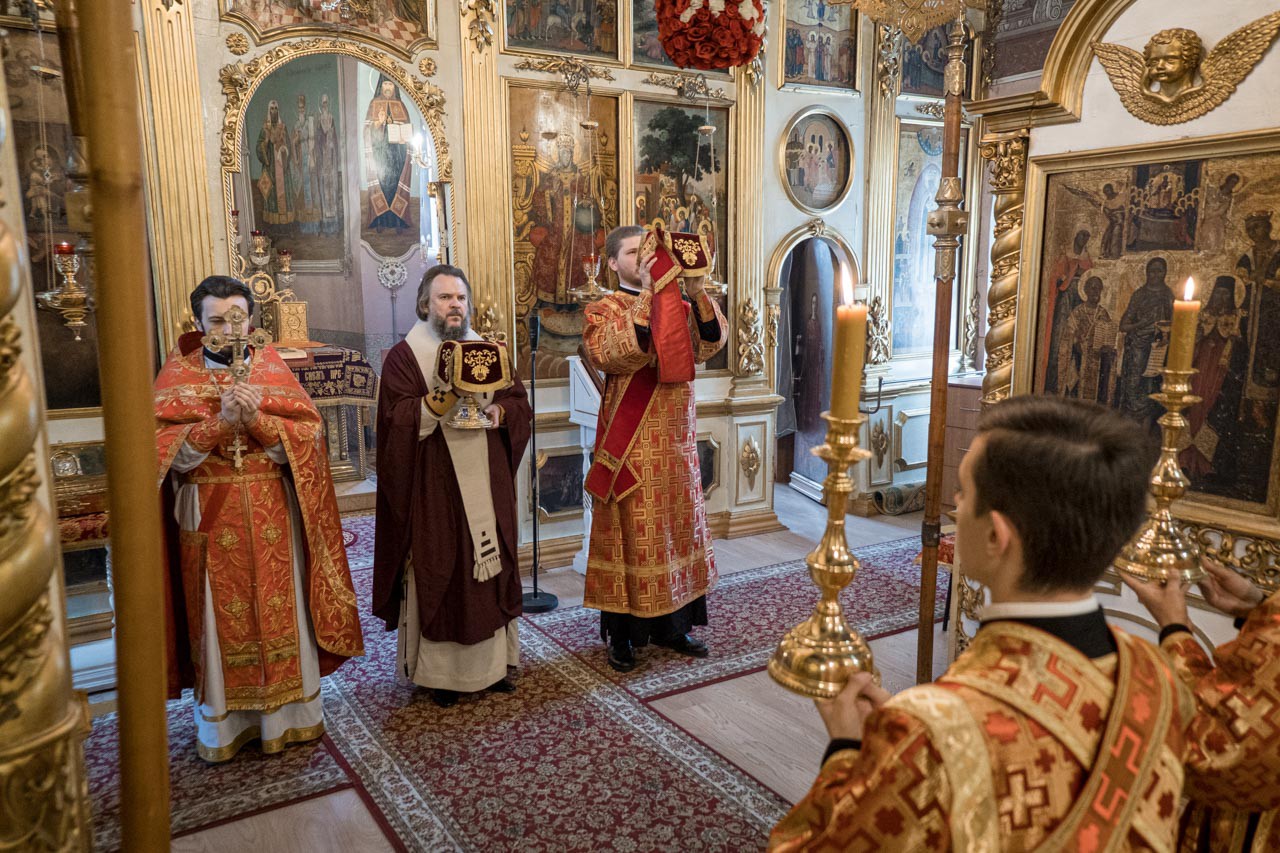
x: 449, y: 308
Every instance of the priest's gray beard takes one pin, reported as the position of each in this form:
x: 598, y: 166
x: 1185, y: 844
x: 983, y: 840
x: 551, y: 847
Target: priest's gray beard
x: 449, y: 334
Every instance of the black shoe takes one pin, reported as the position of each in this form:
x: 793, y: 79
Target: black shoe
x: 685, y: 645
x: 621, y: 658
x: 444, y: 698
x: 502, y: 685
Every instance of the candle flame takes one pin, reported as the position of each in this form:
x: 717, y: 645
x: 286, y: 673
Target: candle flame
x: 846, y: 286
x: 1189, y: 292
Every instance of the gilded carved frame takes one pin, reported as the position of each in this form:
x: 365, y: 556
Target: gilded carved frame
x: 781, y: 157
x: 1248, y: 541
x: 354, y: 33
x: 778, y: 60
x: 240, y: 80
x: 623, y: 161
x: 619, y: 59
x: 729, y: 252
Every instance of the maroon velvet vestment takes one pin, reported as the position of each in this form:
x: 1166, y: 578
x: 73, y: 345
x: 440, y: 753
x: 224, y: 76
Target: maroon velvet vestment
x: 420, y: 513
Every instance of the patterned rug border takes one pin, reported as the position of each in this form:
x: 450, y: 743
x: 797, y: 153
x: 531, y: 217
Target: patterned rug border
x: 357, y: 785
x: 429, y: 826
x: 350, y: 784
x: 243, y: 803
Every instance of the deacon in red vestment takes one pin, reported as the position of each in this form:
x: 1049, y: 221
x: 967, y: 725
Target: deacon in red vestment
x: 257, y: 557
x: 1052, y: 731
x: 446, y: 497
x: 649, y: 562
x: 1233, y: 741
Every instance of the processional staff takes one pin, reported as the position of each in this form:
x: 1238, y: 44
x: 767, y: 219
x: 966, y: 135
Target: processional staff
x: 238, y: 339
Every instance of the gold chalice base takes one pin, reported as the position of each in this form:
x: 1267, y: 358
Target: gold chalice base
x: 817, y: 657
x: 469, y: 415
x: 591, y: 293
x: 1161, y: 552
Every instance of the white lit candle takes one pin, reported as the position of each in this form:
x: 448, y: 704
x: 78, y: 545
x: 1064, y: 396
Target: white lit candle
x: 850, y: 351
x: 1182, y: 341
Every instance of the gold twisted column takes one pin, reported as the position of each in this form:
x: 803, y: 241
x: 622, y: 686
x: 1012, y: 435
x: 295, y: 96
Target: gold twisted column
x: 43, y: 797
x: 1007, y: 153
x: 127, y: 359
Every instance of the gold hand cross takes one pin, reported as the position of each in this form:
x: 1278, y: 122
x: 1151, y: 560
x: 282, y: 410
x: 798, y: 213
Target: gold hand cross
x: 237, y: 339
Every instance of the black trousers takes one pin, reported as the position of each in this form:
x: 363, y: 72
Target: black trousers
x: 640, y: 630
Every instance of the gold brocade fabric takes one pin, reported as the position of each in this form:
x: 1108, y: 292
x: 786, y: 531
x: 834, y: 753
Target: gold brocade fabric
x: 1233, y: 760
x: 650, y: 553
x: 994, y: 756
x: 244, y: 544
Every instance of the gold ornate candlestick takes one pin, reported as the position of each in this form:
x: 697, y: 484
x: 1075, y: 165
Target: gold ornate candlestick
x: 1161, y: 550
x: 818, y: 656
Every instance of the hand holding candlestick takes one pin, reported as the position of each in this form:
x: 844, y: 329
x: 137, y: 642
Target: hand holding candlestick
x: 1162, y: 550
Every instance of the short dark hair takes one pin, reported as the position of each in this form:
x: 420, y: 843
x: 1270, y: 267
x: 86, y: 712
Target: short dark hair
x: 424, y: 289
x: 1072, y: 478
x: 613, y: 243
x: 219, y: 287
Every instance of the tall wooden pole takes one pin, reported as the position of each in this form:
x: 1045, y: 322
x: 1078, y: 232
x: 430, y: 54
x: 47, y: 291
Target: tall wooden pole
x: 947, y: 224
x: 127, y: 360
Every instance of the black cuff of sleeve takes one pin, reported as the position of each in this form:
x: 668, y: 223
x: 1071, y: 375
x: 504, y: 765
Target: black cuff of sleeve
x: 709, y: 330
x: 1169, y: 630
x: 1240, y: 620
x: 839, y: 744
x: 642, y: 336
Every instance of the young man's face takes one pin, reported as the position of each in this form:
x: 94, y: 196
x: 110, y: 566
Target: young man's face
x: 626, y: 264
x: 214, y: 311
x: 973, y: 531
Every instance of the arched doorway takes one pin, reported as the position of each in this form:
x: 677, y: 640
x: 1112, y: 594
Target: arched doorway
x: 806, y: 266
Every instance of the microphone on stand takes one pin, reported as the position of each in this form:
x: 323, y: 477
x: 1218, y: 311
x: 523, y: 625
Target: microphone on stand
x: 536, y: 601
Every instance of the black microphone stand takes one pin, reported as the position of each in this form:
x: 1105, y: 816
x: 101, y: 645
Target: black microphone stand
x: 536, y: 601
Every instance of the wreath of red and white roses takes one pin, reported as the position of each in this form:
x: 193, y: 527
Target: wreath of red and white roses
x: 711, y: 34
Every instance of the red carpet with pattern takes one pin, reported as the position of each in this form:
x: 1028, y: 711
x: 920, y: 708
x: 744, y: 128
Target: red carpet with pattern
x: 751, y: 610
x: 573, y: 760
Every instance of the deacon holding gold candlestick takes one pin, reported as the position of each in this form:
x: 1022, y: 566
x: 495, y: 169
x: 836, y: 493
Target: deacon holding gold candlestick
x: 818, y: 657
x: 1162, y: 550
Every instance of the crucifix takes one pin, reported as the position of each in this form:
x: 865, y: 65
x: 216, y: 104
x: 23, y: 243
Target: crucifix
x: 238, y: 338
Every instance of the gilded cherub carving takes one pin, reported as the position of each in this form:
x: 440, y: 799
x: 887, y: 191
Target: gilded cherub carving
x: 1173, y: 81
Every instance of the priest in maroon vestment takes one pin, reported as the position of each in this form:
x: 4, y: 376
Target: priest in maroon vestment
x: 446, y: 496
